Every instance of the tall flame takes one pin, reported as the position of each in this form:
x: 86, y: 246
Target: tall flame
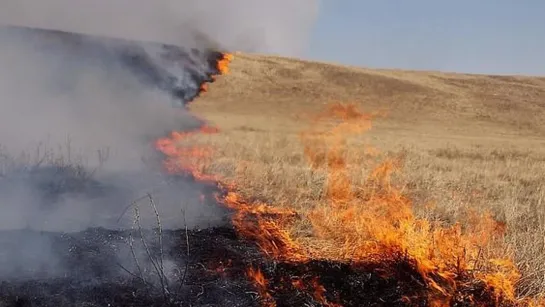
x: 368, y: 224
x: 375, y: 223
x: 223, y: 63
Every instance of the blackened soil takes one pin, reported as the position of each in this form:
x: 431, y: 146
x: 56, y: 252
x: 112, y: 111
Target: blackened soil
x: 96, y: 268
x: 390, y: 283
x: 205, y: 267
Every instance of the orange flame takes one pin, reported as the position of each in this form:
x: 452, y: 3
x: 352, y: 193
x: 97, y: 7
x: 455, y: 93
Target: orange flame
x: 371, y: 223
x: 319, y: 293
x: 180, y: 158
x: 260, y: 283
x: 223, y: 63
x: 264, y: 225
x: 376, y: 222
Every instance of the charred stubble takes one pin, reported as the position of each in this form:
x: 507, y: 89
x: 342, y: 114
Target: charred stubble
x: 77, y: 232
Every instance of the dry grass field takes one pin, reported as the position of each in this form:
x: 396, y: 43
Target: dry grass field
x: 466, y: 141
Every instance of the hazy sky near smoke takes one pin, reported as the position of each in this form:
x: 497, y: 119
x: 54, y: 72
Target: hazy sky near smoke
x: 486, y: 36
x: 63, y: 92
x: 280, y: 26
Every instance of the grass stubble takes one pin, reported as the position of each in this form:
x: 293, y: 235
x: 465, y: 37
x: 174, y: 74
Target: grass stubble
x: 464, y: 142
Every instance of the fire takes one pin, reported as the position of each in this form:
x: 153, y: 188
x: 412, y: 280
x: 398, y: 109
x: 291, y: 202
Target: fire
x: 319, y: 294
x: 365, y: 225
x: 266, y: 226
x: 185, y: 159
x: 375, y: 223
x: 223, y: 63
x: 260, y: 282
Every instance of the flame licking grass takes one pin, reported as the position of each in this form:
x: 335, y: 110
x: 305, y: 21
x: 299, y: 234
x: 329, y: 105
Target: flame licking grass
x: 223, y: 63
x: 186, y: 159
x: 370, y: 227
x: 266, y: 226
x: 375, y: 224
x: 260, y: 282
x: 192, y: 155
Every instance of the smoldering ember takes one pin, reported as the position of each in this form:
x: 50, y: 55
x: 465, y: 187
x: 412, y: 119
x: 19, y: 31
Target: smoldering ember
x: 161, y: 234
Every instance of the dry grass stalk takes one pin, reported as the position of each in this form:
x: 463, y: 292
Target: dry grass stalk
x: 466, y: 141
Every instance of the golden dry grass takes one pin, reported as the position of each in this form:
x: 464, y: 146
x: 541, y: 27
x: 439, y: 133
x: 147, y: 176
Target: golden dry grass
x: 467, y: 140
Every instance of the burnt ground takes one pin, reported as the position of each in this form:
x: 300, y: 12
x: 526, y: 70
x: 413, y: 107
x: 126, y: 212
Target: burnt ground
x: 140, y: 266
x: 109, y: 266
x: 95, y: 268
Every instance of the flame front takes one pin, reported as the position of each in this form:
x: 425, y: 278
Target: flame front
x: 372, y: 224
x: 186, y: 159
x: 223, y: 63
x: 375, y: 223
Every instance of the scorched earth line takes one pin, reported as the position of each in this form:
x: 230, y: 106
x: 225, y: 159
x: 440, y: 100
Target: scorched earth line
x: 383, y: 255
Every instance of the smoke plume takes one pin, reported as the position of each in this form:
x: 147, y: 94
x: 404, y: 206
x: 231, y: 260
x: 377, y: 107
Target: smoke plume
x: 80, y: 112
x: 280, y: 27
x: 75, y: 104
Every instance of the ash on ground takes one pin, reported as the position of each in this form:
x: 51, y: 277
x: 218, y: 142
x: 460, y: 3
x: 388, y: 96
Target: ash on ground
x: 98, y: 267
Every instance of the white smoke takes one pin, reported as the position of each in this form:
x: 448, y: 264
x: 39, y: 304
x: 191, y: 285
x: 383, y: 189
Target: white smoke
x: 279, y: 27
x: 54, y: 93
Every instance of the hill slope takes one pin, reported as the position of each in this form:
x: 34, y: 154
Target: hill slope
x: 281, y: 86
x: 466, y: 141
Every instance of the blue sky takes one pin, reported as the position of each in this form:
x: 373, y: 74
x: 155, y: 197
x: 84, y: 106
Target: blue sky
x: 474, y: 36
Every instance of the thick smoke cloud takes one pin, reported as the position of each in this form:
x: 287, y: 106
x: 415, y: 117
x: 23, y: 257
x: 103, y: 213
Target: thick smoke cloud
x: 76, y: 99
x: 280, y: 27
x: 70, y: 102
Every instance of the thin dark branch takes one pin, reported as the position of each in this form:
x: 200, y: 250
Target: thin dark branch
x: 160, y: 274
x: 134, y: 255
x: 182, y: 282
x: 160, y: 235
x: 132, y: 204
x: 134, y: 275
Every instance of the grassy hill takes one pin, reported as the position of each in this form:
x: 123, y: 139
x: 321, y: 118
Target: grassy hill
x: 281, y: 86
x: 473, y: 141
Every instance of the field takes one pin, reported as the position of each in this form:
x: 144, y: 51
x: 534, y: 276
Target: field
x: 465, y: 141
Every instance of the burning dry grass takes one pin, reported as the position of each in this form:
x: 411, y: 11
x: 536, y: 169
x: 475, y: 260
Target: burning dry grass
x: 444, y: 185
x: 381, y: 210
x: 453, y: 177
